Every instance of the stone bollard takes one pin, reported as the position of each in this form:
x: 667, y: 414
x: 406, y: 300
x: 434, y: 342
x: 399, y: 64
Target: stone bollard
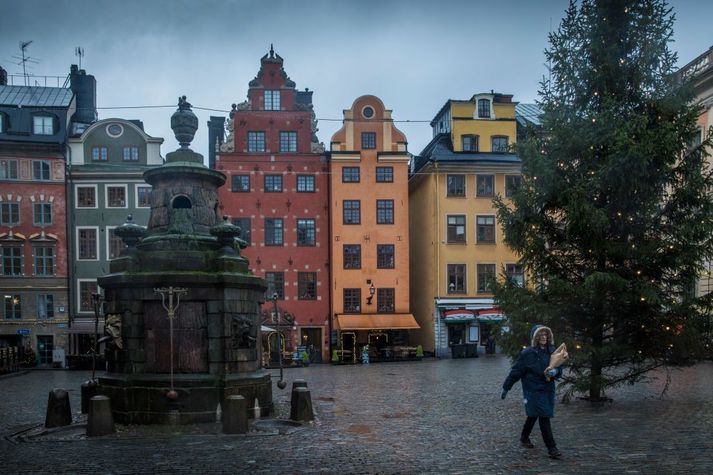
x: 235, y: 415
x: 58, y: 411
x: 301, y: 405
x: 100, y: 420
x: 89, y: 390
x: 299, y: 383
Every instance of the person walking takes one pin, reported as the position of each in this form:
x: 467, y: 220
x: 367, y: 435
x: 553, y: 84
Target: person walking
x: 538, y: 392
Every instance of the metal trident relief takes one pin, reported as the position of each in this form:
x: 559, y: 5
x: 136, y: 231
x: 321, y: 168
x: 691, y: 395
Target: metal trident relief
x: 171, y: 308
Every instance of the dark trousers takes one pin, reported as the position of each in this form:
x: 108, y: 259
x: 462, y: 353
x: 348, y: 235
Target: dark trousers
x: 545, y: 428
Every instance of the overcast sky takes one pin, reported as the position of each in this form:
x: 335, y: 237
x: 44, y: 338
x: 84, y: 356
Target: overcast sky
x: 413, y: 54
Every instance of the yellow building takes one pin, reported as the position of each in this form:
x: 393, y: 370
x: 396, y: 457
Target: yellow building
x: 456, y: 242
x: 701, y: 72
x: 369, y: 234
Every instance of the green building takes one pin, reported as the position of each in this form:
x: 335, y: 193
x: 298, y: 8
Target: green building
x: 105, y: 185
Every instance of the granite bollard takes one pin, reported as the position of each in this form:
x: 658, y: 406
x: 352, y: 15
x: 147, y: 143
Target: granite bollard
x: 301, y: 405
x: 235, y: 415
x: 59, y: 412
x: 100, y: 421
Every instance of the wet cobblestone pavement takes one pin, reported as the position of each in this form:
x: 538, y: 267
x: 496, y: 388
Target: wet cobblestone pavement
x: 412, y: 417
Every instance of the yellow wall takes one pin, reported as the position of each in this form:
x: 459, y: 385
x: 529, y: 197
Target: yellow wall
x: 502, y: 124
x: 424, y: 247
x: 429, y: 208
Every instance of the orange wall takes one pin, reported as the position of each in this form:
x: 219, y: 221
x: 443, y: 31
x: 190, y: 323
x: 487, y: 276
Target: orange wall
x: 390, y: 152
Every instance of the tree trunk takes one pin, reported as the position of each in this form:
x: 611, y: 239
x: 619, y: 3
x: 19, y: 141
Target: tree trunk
x: 595, y: 375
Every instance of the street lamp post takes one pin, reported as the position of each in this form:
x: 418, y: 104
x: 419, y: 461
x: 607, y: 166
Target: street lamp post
x: 281, y: 383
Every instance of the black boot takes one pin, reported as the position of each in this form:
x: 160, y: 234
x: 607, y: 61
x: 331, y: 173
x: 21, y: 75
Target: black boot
x: 527, y: 443
x: 554, y: 452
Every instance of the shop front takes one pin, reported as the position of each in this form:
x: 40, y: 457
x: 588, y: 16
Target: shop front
x: 465, y: 327
x: 373, y: 338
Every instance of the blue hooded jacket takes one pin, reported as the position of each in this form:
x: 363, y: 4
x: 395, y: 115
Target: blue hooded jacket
x: 529, y: 368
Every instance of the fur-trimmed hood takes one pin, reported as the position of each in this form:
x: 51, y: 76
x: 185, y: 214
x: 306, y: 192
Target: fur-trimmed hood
x: 537, y: 329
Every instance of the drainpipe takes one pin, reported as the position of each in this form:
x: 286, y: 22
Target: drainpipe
x: 436, y: 222
x: 331, y: 266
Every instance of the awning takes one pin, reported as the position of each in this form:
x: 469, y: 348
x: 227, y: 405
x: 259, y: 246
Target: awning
x: 377, y: 321
x: 453, y: 317
x: 491, y: 315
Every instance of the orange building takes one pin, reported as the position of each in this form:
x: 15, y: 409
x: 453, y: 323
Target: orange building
x: 369, y: 235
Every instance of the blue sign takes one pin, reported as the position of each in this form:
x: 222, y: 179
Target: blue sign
x: 23, y: 331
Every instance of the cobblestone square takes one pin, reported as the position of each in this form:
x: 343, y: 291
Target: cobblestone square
x: 433, y: 416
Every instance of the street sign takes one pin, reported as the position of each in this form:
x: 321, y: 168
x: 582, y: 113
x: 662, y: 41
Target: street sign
x: 23, y: 331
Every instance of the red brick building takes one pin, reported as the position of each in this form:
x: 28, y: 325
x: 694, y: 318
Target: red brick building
x: 277, y: 192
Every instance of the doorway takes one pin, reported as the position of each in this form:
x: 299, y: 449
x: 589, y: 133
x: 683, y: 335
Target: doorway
x: 45, y: 345
x: 311, y: 339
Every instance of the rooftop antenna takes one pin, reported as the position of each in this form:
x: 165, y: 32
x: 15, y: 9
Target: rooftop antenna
x: 79, y: 52
x: 25, y: 59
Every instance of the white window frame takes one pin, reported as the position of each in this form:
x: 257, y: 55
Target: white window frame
x: 8, y: 165
x: 96, y: 243
x: 76, y: 196
x: 79, y: 295
x: 107, y: 241
x: 136, y: 194
x: 106, y: 195
x: 42, y: 124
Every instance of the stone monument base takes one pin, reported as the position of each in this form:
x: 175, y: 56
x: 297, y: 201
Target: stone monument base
x: 142, y: 398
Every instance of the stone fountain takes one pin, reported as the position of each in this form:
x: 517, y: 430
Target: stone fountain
x: 181, y: 306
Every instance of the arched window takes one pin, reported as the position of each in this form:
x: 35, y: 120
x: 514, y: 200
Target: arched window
x: 182, y: 202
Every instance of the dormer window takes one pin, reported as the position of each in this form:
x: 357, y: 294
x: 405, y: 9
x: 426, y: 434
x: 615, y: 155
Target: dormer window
x: 470, y: 143
x: 3, y: 123
x: 499, y: 144
x: 272, y: 100
x: 484, y: 108
x: 43, y: 125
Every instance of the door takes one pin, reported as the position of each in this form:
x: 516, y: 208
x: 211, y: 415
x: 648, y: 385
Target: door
x: 45, y: 345
x: 311, y: 338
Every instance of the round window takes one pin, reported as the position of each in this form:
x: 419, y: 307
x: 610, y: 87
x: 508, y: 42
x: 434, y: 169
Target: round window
x: 368, y: 112
x: 115, y: 130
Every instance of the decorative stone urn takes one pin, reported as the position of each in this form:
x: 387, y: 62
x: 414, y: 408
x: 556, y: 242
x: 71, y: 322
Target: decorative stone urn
x: 183, y: 301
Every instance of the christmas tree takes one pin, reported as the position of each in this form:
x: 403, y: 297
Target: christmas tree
x: 614, y: 217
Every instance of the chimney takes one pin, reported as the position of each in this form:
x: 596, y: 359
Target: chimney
x: 84, y: 87
x: 216, y: 134
x: 3, y: 77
